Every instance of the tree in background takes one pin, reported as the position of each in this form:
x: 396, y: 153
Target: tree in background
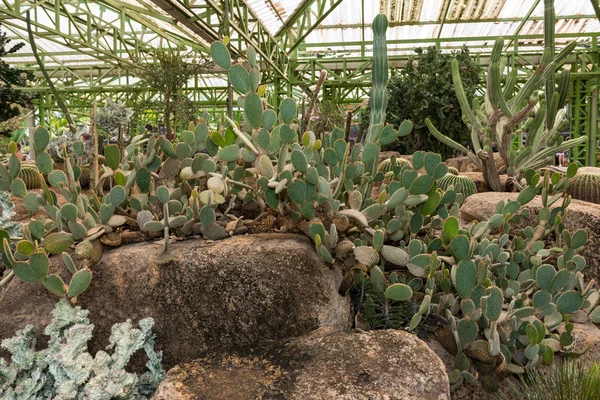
x: 424, y: 89
x: 170, y: 72
x: 328, y: 116
x: 11, y: 100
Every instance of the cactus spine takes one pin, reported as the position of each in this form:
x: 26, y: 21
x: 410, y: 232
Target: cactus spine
x: 585, y: 187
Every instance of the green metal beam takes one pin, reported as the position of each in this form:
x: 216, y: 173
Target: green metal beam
x: 596, y: 8
x: 246, y: 30
x: 444, y: 19
x: 463, y: 21
x: 306, y: 19
x: 522, y: 24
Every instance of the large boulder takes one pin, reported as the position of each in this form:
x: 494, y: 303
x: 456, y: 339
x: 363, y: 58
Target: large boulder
x: 581, y: 215
x: 214, y: 296
x: 391, y: 365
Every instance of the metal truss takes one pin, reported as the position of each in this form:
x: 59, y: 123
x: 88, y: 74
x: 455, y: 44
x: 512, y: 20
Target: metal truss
x: 112, y: 33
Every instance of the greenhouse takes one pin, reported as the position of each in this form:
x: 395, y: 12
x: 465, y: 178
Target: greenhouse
x: 299, y: 199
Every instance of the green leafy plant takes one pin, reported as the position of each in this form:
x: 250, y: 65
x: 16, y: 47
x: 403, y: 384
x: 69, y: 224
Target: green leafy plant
x: 168, y: 73
x: 423, y: 89
x: 12, y: 100
x: 567, y: 381
x: 66, y: 369
x: 115, y: 117
x: 506, y: 113
x: 329, y: 116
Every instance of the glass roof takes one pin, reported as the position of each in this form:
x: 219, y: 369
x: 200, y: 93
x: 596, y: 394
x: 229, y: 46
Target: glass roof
x: 345, y: 31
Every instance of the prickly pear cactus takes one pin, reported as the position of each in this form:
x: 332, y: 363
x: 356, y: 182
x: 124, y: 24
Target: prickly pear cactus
x: 410, y: 262
x: 585, y: 187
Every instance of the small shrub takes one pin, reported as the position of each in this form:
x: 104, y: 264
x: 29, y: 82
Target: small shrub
x: 569, y: 381
x: 66, y: 370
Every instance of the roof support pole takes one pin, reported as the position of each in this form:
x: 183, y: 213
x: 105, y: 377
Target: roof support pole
x: 522, y: 24
x: 443, y: 21
x: 549, y: 29
x: 596, y: 8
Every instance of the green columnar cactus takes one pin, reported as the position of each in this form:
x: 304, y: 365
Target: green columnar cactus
x: 380, y: 75
x: 585, y: 187
x: 462, y: 184
x: 505, y: 115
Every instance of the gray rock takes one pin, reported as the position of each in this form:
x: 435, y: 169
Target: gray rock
x: 382, y: 365
x: 216, y: 296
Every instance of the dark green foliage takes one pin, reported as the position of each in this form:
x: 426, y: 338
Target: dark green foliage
x: 168, y: 73
x: 424, y: 89
x: 9, y: 77
x: 569, y: 381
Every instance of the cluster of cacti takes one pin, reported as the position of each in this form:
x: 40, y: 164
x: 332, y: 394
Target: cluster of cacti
x: 29, y: 261
x: 507, y: 114
x: 462, y: 184
x: 406, y: 245
x: 504, y: 304
x: 31, y: 176
x: 66, y: 369
x: 585, y: 187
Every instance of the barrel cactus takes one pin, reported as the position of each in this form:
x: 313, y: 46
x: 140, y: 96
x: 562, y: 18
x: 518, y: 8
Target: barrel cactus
x: 85, y: 177
x: 31, y: 176
x: 453, y: 171
x: 462, y: 184
x: 388, y: 164
x: 585, y: 187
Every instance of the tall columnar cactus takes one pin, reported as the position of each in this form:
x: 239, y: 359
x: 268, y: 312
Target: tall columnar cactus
x: 505, y: 115
x: 380, y: 75
x: 585, y: 187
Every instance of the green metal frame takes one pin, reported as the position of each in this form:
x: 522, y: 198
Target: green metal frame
x: 290, y: 66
